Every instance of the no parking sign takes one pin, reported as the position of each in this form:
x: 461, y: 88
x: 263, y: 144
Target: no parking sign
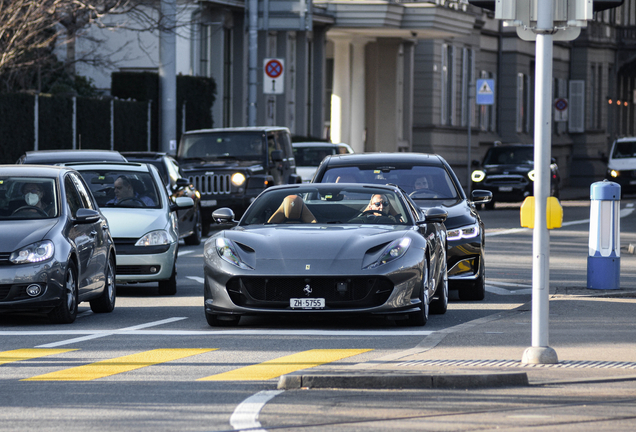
x: 273, y: 76
x: 560, y: 110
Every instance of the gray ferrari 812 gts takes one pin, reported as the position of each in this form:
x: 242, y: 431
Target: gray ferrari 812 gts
x: 328, y: 249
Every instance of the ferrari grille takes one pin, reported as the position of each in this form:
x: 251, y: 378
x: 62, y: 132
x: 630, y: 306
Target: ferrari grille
x: 275, y: 292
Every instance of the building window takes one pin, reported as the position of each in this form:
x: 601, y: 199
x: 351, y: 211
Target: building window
x: 448, y: 105
x: 204, y: 53
x: 523, y: 103
x: 487, y: 117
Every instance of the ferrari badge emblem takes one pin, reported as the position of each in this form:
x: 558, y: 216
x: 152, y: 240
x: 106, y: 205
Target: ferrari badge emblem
x: 307, y: 267
x: 307, y: 290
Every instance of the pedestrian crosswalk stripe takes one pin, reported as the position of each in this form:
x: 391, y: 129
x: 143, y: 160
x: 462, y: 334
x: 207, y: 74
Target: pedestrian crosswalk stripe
x: 283, y: 365
x: 118, y: 365
x: 28, y: 353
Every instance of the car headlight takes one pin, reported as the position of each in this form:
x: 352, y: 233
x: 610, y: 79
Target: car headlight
x: 531, y: 175
x: 477, y: 176
x: 238, y: 179
x: 396, y: 249
x: 155, y: 238
x: 33, y: 253
x: 467, y: 232
x: 227, y: 251
x: 614, y: 173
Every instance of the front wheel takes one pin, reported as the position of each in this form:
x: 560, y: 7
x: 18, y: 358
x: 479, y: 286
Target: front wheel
x: 169, y: 287
x: 105, y: 303
x: 478, y: 290
x: 227, y: 320
x: 194, y: 239
x: 440, y: 304
x: 66, y: 311
x: 419, y: 318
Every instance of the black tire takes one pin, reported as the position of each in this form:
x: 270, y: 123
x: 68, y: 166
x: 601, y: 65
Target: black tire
x: 205, y: 228
x: 440, y: 304
x: 229, y: 321
x: 194, y: 239
x: 419, y: 318
x: 478, y: 290
x: 66, y: 311
x: 105, y: 303
x: 169, y: 287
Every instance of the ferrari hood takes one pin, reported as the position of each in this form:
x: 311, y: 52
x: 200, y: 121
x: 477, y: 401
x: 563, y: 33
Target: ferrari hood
x: 295, y: 247
x: 134, y: 222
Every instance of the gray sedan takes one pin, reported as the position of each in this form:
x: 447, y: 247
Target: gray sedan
x: 55, y: 246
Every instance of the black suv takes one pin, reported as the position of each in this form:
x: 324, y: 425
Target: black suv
x: 508, y: 172
x: 231, y: 166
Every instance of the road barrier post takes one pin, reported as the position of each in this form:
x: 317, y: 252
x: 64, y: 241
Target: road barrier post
x: 604, y: 261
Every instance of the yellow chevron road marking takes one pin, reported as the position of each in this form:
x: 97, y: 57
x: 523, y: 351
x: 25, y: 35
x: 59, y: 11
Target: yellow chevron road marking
x: 29, y: 353
x: 280, y: 366
x: 118, y: 365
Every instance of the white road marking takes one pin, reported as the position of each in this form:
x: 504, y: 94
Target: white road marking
x: 509, y: 284
x: 624, y: 213
x: 247, y: 332
x: 99, y: 334
x: 196, y: 278
x: 245, y: 416
x: 185, y: 252
x: 503, y: 291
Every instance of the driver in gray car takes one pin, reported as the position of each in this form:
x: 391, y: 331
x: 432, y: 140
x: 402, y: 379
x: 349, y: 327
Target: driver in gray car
x: 124, y: 191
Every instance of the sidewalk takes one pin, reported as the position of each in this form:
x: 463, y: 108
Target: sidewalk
x: 592, y: 332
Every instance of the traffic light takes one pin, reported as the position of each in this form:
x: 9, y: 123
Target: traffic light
x: 599, y: 5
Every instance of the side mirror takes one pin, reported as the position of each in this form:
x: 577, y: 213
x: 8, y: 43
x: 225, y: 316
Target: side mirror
x: 86, y: 216
x: 475, y: 163
x: 224, y: 215
x: 181, y: 203
x: 181, y: 182
x: 480, y: 196
x: 277, y: 155
x: 434, y: 214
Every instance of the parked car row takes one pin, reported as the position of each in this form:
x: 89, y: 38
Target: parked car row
x: 390, y: 232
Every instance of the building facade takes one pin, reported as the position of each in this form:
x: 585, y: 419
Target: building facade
x: 400, y: 75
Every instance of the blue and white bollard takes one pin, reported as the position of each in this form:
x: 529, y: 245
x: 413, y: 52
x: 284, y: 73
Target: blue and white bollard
x: 604, y: 260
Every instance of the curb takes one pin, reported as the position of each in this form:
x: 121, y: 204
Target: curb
x: 402, y: 381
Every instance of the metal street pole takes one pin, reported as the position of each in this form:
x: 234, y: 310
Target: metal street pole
x: 168, y: 77
x: 540, y: 352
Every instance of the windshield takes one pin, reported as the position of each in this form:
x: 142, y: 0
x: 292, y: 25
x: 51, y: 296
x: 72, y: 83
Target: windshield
x: 420, y: 182
x: 113, y: 188
x: 624, y: 150
x: 334, y: 205
x: 312, y: 156
x: 28, y: 197
x: 245, y: 145
x: 509, y: 156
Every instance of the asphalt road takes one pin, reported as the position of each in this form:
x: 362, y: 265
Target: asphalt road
x: 155, y: 364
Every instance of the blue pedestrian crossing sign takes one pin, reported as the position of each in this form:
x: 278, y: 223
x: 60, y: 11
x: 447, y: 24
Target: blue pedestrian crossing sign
x: 485, y: 92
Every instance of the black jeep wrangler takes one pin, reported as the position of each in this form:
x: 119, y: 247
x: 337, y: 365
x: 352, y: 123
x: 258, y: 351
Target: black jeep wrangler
x: 231, y: 166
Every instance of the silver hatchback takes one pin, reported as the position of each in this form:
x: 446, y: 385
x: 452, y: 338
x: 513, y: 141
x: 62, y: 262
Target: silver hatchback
x: 142, y: 220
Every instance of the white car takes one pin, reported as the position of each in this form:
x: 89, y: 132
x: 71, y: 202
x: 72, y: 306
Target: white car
x: 142, y: 220
x: 308, y: 156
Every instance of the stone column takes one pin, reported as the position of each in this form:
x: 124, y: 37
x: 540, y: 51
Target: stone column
x: 341, y: 96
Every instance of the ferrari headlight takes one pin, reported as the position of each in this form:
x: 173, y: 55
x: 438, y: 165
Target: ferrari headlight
x: 396, y: 249
x: 614, y: 173
x: 467, y: 232
x: 33, y: 253
x: 227, y: 251
x: 477, y: 176
x: 238, y: 179
x: 531, y: 175
x: 155, y: 238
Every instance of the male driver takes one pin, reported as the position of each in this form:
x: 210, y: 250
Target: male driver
x: 124, y: 191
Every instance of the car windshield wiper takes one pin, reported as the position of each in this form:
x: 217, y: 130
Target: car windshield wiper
x: 194, y: 158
